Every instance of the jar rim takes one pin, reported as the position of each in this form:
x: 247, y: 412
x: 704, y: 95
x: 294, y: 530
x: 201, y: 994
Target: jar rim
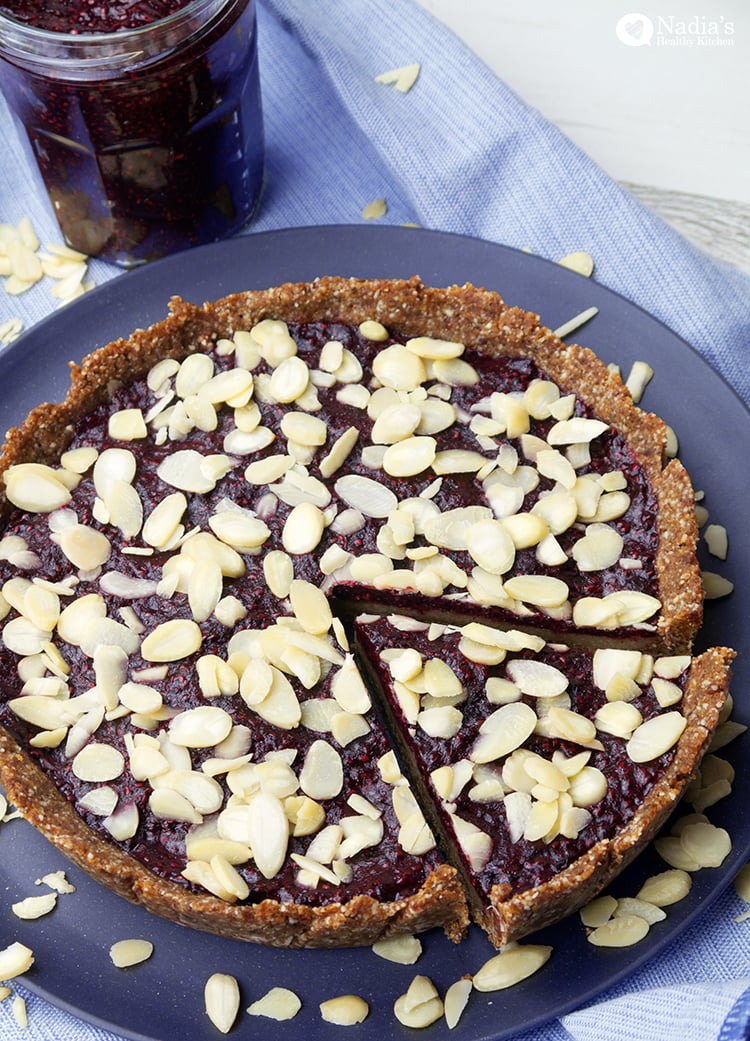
x: 15, y: 33
x: 80, y: 56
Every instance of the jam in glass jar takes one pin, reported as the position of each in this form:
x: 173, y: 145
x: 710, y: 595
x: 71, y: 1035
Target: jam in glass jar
x: 142, y: 116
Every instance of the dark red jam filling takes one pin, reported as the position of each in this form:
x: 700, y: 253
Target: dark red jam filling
x: 522, y: 864
x: 159, y: 844
x: 90, y: 16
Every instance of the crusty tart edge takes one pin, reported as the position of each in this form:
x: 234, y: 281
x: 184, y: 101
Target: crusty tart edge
x: 481, y: 320
x: 511, y: 917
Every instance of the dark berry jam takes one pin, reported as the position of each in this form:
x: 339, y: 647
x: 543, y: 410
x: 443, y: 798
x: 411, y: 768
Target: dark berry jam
x: 90, y: 16
x: 140, y: 156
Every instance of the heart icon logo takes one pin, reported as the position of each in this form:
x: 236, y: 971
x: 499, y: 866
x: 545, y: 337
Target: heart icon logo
x: 635, y: 29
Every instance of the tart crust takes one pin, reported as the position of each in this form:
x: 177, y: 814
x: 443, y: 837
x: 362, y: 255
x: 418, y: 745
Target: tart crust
x: 482, y: 321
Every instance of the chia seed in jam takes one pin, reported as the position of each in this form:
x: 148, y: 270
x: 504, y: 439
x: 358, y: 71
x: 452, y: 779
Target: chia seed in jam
x: 160, y: 844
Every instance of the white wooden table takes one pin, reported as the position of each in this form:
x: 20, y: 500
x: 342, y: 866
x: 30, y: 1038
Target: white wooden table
x: 668, y: 118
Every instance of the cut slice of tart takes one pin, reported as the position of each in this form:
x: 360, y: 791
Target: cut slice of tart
x: 252, y: 794
x: 546, y: 768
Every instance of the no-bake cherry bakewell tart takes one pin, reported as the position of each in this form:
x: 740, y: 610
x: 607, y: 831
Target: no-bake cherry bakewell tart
x: 189, y: 538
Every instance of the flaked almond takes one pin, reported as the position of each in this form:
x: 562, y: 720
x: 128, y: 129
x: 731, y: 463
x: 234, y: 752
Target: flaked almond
x: 345, y: 1010
x: 588, y: 786
x: 15, y: 959
x: 456, y: 1000
x: 268, y: 831
x: 403, y: 950
x: 167, y: 804
x: 321, y: 776
x: 503, y: 730
x: 303, y: 529
x: 339, y: 453
x: 278, y: 571
x: 656, y: 736
x: 420, y: 1006
x: 205, y: 586
x: 126, y: 953
x: 620, y: 932
x: 193, y: 374
x: 539, y: 590
x: 442, y: 721
x: 573, y: 431
x: 216, y: 677
x: 348, y: 688
x: 184, y: 469
x: 619, y: 718
x: 278, y: 1003
x: 598, y: 911
x: 222, y: 1000
x: 600, y: 548
x: 630, y: 905
x: 34, y: 907
x: 511, y: 966
x: 706, y: 844
x: 310, y: 606
x: 35, y: 487
x: 491, y: 546
x: 304, y: 428
x: 201, y: 727
x: 268, y: 469
x: 536, y: 678
x: 279, y: 705
x: 715, y: 586
x: 97, y: 762
x: 163, y: 523
x: 173, y: 640
x: 369, y: 497
x: 458, y: 461
x: 123, y: 822
x: 399, y: 368
x: 239, y: 530
x: 85, y: 547
x: 409, y: 457
x: 289, y: 380
x: 667, y: 693
x: 127, y: 425
x: 396, y: 423
x: 638, y: 379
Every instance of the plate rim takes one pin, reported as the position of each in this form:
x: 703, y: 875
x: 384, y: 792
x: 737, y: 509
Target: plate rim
x: 153, y: 271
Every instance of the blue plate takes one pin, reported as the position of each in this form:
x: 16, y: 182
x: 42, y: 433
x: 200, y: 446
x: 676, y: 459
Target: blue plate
x: 162, y: 999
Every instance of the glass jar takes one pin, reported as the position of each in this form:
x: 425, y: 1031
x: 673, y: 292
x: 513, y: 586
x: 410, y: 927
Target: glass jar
x: 149, y: 140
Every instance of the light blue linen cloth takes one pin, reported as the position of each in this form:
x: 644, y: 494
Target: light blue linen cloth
x: 462, y: 153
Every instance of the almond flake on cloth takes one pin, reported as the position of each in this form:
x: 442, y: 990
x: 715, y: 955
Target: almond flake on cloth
x: 403, y: 78
x: 375, y: 209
